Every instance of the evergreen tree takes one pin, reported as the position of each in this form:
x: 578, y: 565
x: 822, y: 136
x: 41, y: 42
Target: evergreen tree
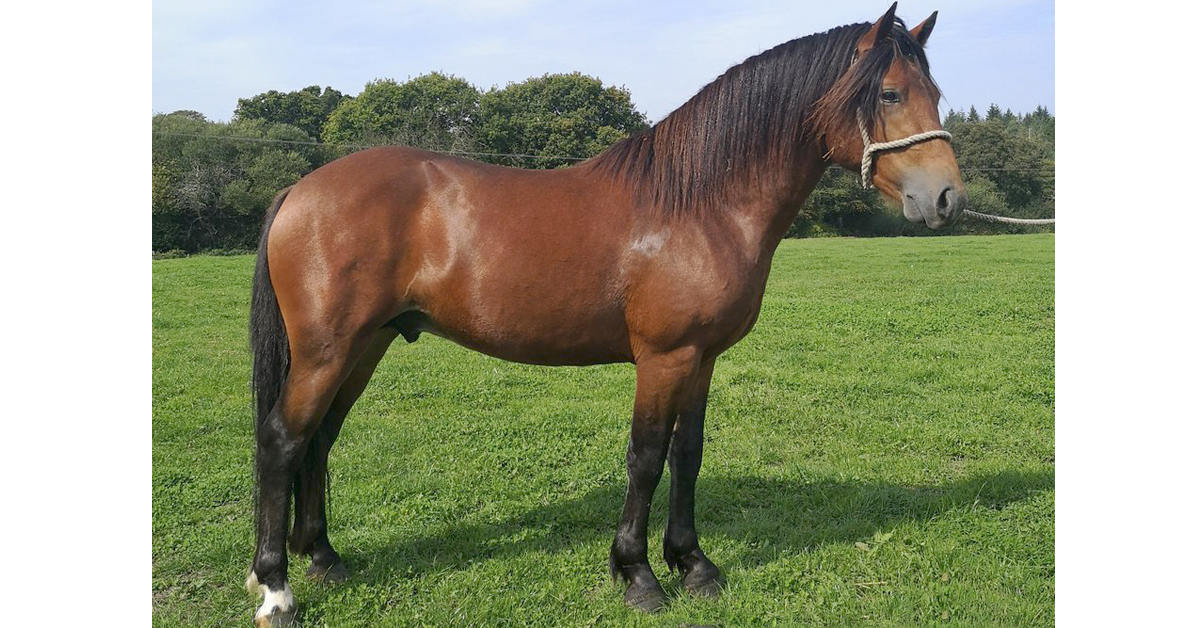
x: 953, y: 120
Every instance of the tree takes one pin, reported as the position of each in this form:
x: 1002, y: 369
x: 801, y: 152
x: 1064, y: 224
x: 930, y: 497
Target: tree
x: 211, y: 182
x: 307, y: 109
x: 1040, y: 125
x: 840, y: 201
x: 189, y: 114
x: 555, y: 116
x: 1014, y: 163
x: 433, y: 111
x: 953, y: 120
x: 258, y: 180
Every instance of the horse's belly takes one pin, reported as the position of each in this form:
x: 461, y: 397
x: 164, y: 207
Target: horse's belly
x: 572, y: 340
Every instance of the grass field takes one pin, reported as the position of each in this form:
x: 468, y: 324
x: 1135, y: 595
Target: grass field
x: 880, y: 452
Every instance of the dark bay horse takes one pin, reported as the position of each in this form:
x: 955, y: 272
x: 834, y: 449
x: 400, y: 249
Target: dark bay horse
x: 655, y: 252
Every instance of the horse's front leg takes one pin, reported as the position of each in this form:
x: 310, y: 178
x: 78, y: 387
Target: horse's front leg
x: 663, y: 381
x: 681, y: 545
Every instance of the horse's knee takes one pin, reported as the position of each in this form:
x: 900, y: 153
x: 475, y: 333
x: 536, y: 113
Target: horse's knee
x: 269, y: 570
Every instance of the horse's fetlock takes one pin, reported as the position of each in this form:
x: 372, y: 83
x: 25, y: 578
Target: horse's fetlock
x: 679, y: 543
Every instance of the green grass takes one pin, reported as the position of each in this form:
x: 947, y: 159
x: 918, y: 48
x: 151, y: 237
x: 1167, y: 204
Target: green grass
x: 880, y: 452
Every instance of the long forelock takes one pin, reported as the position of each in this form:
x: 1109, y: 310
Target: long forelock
x: 857, y: 91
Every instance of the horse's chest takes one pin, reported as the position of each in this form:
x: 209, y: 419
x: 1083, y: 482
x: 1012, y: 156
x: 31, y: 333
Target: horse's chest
x: 734, y: 311
x: 701, y: 304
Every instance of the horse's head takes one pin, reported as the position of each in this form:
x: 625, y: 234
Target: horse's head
x: 883, y: 112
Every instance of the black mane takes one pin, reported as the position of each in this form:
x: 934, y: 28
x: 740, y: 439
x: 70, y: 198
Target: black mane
x: 750, y: 123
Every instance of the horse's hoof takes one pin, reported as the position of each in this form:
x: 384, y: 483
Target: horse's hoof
x: 704, y: 585
x: 332, y: 574
x: 646, y: 599
x: 709, y: 590
x: 275, y: 618
x: 277, y: 610
x: 278, y: 607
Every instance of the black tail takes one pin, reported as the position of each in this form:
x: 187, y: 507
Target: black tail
x: 268, y: 338
x: 269, y: 345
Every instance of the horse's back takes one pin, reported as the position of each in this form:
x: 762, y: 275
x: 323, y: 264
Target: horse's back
x: 520, y: 264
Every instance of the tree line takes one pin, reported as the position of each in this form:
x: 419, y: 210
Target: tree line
x: 212, y: 181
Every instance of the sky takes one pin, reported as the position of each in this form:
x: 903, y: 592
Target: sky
x: 208, y: 54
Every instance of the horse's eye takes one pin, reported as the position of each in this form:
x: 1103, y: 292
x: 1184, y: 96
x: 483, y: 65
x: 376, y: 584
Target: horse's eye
x: 890, y: 96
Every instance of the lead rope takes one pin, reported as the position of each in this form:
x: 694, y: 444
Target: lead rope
x: 868, y: 160
x: 1011, y: 221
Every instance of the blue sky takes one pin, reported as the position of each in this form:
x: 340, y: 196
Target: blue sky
x: 208, y: 54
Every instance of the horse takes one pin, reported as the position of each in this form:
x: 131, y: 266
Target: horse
x: 654, y: 252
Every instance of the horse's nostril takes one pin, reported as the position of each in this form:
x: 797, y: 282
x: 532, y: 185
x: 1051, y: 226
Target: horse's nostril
x: 943, y: 200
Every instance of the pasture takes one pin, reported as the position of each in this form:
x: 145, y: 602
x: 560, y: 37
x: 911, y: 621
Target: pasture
x: 879, y: 451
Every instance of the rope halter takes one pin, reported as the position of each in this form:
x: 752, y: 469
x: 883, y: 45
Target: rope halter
x: 869, y: 149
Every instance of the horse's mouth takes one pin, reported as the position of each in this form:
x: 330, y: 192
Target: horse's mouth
x: 938, y: 214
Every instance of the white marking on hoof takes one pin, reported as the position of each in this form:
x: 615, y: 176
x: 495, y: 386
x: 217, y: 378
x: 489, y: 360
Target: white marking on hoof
x: 278, y: 607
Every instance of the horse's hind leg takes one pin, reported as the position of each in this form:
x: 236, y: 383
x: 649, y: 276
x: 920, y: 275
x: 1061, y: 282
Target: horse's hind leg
x: 320, y: 363
x: 310, y: 532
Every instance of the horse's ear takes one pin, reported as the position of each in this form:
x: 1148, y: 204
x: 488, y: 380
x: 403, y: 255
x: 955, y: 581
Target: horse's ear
x: 922, y: 31
x: 880, y: 30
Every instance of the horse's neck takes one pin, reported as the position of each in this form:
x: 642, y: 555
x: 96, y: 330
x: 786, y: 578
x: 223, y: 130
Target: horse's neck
x: 763, y: 219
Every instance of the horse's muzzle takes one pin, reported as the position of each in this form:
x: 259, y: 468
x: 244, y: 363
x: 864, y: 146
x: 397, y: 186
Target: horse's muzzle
x: 937, y: 206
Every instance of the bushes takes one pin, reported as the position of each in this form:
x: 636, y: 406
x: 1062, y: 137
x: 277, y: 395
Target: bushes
x: 209, y: 190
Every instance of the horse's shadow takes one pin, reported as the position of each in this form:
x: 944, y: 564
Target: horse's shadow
x: 767, y: 515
